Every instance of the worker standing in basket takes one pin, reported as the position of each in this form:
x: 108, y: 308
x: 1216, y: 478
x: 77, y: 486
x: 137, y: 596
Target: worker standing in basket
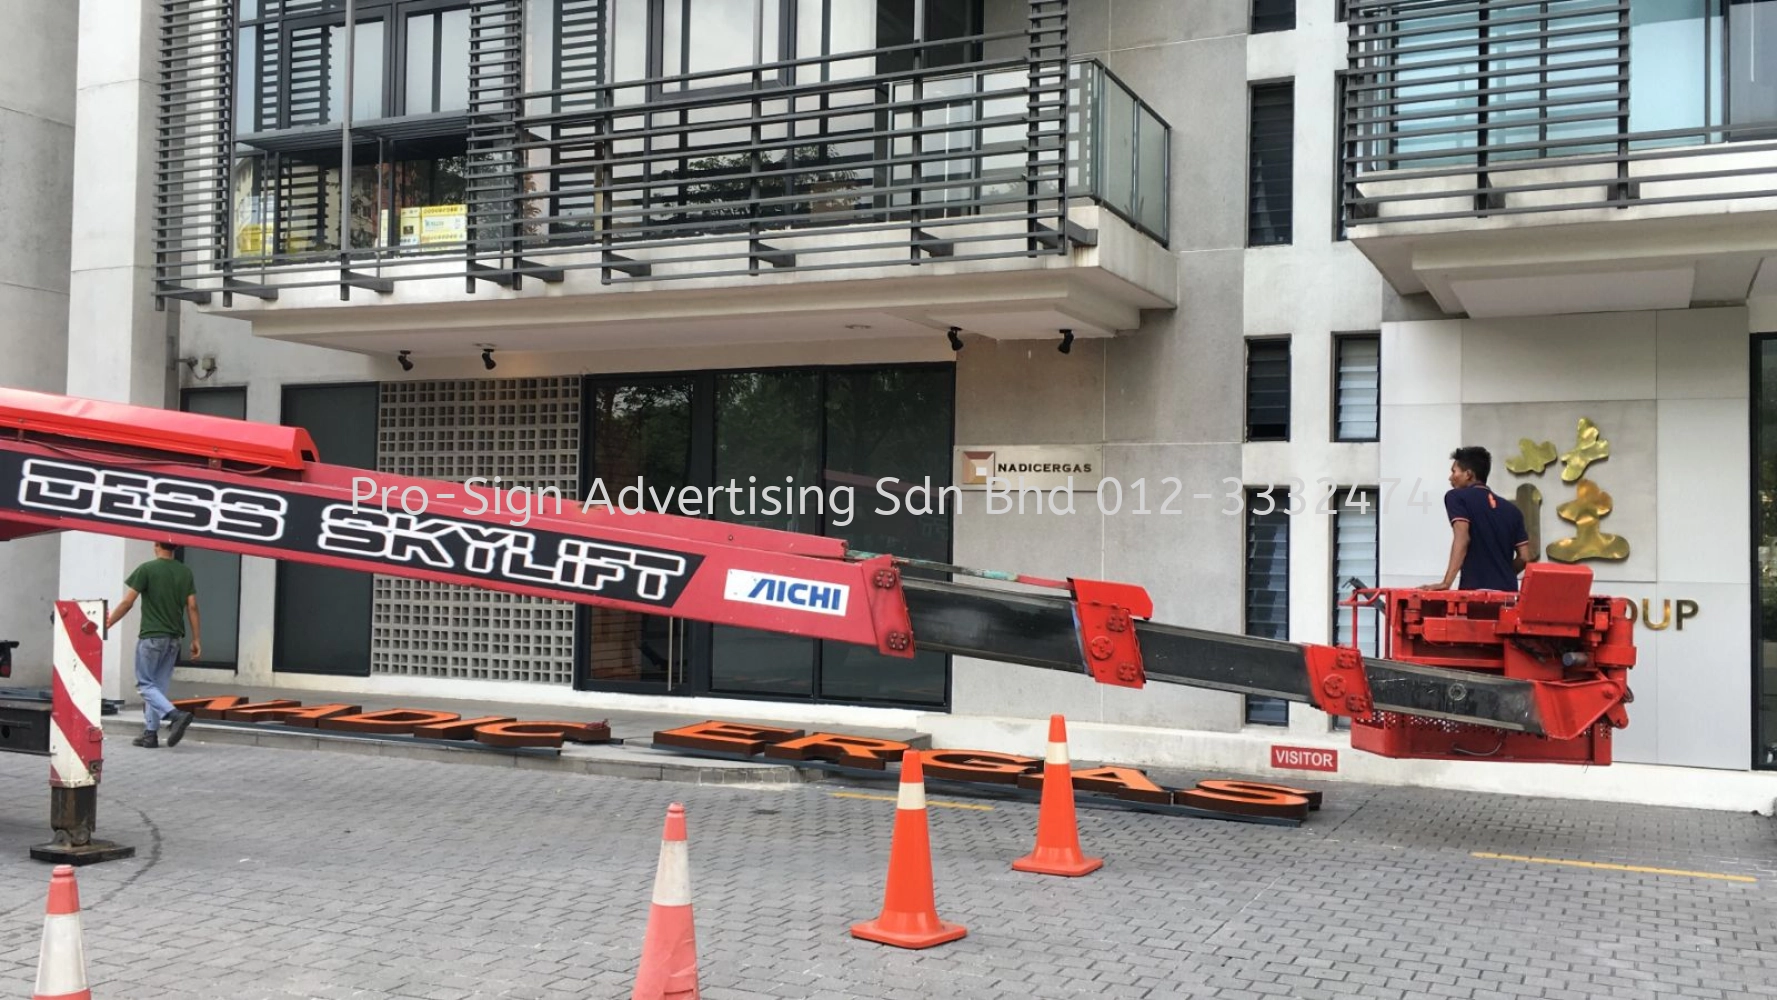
x: 168, y: 595
x: 1489, y: 544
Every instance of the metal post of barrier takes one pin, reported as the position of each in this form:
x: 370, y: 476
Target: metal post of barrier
x: 76, y: 740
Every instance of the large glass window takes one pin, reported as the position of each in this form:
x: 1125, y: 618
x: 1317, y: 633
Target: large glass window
x: 1765, y: 550
x: 639, y: 431
x: 768, y: 433
x: 436, y: 62
x: 1752, y: 63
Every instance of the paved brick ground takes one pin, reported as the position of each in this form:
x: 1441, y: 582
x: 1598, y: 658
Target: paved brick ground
x: 274, y: 874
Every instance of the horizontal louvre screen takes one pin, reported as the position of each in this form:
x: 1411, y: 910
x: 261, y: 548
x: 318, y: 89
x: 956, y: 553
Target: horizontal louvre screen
x: 1355, y: 544
x: 1268, y: 586
x: 1359, y: 388
x: 1271, y: 157
x: 1268, y: 390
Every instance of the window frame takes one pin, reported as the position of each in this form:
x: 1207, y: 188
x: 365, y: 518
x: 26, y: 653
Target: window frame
x: 1288, y: 228
x: 1271, y: 19
x: 1339, y: 342
x: 1246, y: 387
x: 396, y: 79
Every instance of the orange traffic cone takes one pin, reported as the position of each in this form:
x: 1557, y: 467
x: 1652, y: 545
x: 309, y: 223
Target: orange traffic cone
x: 909, y: 911
x: 61, y: 961
x: 669, y: 950
x: 1058, y: 835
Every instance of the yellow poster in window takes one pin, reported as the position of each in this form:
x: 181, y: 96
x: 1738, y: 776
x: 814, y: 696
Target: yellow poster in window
x: 410, y: 227
x: 443, y: 224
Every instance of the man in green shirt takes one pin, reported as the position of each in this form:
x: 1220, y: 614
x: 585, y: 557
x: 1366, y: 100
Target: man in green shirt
x: 168, y: 594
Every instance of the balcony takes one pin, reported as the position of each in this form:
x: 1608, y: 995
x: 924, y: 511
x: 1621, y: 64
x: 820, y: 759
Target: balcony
x: 1511, y: 157
x: 1009, y: 192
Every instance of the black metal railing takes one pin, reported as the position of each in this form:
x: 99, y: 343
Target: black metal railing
x: 1463, y: 109
x: 810, y: 164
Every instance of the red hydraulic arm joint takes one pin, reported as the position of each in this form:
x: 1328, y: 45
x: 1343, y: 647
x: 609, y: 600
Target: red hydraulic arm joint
x: 1104, y: 614
x: 1338, y: 682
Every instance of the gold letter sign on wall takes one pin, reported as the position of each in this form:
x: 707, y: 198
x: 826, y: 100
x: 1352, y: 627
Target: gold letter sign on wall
x: 1585, y: 511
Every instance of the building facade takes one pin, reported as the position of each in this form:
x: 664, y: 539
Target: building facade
x: 1257, y: 266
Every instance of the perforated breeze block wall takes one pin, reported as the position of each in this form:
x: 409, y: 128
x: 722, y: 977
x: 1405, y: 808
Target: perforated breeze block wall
x: 525, y: 431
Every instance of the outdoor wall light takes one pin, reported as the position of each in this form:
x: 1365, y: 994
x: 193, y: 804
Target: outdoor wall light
x: 956, y: 342
x: 1067, y: 341
x: 209, y: 366
x: 406, y: 362
x: 487, y: 358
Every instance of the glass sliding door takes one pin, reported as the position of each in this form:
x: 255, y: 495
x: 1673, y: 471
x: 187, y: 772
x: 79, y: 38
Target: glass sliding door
x: 892, y: 424
x: 639, y: 437
x: 797, y: 450
x: 768, y: 427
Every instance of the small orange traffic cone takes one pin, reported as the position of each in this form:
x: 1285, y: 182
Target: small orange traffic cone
x: 61, y: 961
x: 669, y: 950
x: 1058, y: 834
x: 909, y: 916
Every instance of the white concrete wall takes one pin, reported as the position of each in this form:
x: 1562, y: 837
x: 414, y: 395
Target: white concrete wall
x: 37, y: 60
x: 1669, y: 391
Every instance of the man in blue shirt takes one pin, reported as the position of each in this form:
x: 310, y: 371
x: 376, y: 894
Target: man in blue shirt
x: 1489, y: 544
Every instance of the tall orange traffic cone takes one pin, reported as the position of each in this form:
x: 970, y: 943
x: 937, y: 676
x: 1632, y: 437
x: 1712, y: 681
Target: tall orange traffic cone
x: 61, y: 961
x: 1058, y: 834
x: 669, y: 950
x: 909, y: 916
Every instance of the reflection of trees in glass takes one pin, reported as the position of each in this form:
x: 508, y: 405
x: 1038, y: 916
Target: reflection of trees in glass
x: 1767, y: 494
x: 641, y: 430
x: 717, y: 188
x: 892, y: 423
x: 768, y: 426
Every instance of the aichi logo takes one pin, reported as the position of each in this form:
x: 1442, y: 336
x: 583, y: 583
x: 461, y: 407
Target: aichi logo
x: 786, y: 592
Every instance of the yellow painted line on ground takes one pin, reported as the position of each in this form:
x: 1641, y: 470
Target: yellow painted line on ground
x: 1615, y: 868
x: 895, y: 798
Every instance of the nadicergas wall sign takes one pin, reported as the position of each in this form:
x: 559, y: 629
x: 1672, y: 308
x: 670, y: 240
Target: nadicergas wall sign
x: 1127, y: 786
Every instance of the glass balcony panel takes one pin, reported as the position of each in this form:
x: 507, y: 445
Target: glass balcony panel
x: 1151, y: 171
x: 1117, y: 141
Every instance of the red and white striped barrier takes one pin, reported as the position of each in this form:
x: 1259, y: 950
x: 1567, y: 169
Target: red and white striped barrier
x: 76, y: 741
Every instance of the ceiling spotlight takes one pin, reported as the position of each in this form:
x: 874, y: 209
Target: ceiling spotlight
x: 956, y: 342
x: 406, y: 362
x: 487, y: 358
x: 1067, y: 341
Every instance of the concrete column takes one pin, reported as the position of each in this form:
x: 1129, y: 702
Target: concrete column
x: 118, y: 345
x: 36, y: 184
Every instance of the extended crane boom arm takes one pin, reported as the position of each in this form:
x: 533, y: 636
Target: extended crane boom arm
x: 254, y: 489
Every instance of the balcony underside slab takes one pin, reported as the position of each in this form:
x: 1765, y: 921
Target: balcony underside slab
x: 1096, y: 290
x: 1563, y: 240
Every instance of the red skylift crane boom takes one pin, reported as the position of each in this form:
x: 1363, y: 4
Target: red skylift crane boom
x: 1536, y: 676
